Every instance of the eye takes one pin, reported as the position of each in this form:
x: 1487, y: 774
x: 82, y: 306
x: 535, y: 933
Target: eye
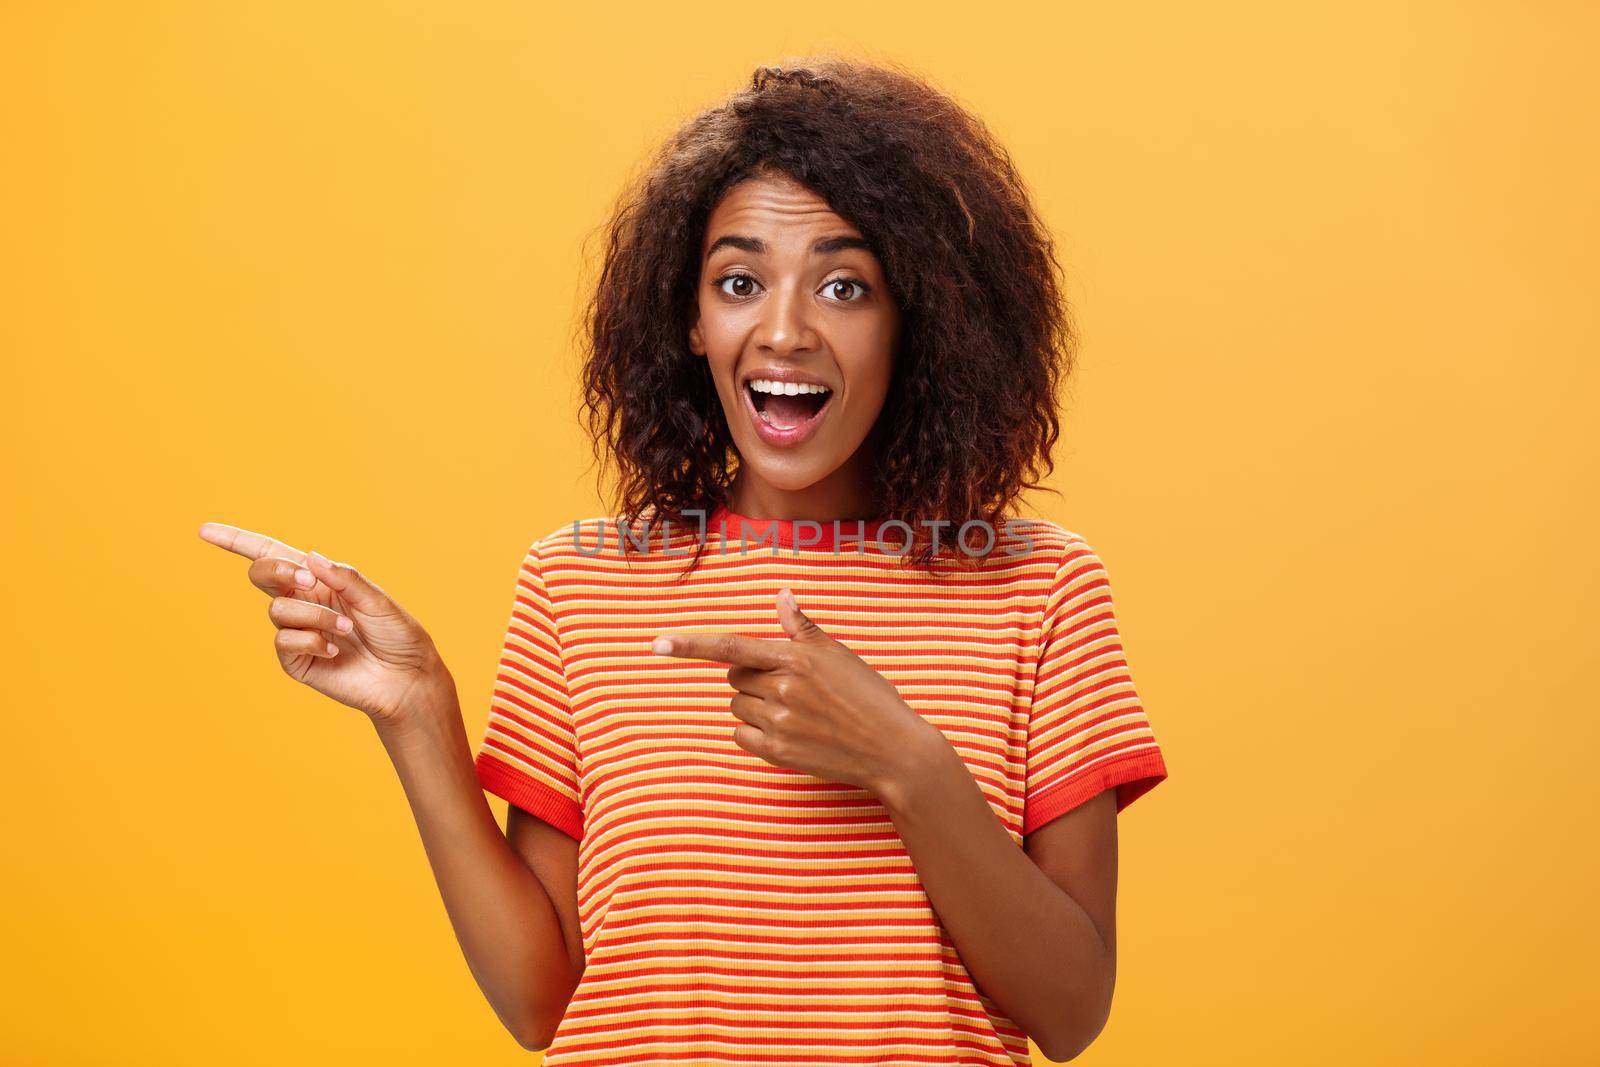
x: 736, y: 277
x: 856, y: 289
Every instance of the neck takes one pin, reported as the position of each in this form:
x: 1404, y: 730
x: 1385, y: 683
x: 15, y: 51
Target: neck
x: 841, y: 495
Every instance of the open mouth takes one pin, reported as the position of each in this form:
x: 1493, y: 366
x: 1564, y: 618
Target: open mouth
x: 786, y: 405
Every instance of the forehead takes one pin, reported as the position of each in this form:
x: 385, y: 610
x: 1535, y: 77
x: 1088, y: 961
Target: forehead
x: 771, y: 208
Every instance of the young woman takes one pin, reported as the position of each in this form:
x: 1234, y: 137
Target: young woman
x: 858, y: 803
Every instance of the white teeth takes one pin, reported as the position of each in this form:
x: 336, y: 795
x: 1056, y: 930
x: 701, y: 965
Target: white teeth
x: 767, y: 385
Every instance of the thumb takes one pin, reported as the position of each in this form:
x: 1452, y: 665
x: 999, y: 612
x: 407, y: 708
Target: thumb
x: 349, y: 583
x: 795, y: 622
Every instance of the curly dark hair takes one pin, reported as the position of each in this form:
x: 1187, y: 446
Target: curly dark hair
x: 986, y: 344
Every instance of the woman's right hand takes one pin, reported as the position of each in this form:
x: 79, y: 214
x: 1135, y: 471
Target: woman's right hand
x: 337, y: 631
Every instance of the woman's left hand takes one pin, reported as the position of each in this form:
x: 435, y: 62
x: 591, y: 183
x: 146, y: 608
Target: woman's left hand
x: 809, y: 703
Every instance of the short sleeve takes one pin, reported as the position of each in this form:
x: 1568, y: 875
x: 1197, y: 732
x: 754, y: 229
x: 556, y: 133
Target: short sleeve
x: 1087, y: 730
x: 529, y: 755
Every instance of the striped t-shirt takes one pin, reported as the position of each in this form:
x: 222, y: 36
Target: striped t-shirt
x: 734, y: 911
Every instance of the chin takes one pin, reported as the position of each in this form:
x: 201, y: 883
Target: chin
x: 786, y: 477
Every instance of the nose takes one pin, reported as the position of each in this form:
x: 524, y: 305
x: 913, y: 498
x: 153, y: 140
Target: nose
x: 785, y: 326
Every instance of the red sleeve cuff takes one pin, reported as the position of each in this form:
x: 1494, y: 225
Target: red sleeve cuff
x: 532, y: 796
x: 1132, y: 776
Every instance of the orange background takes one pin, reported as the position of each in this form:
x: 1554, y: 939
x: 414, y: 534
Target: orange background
x: 312, y: 269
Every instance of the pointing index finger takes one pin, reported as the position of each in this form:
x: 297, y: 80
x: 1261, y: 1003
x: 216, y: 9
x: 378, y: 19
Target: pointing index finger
x: 722, y: 647
x: 247, y: 543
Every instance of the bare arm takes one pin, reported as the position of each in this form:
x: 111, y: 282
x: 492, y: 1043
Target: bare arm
x: 1035, y: 928
x: 342, y: 635
x: 515, y: 940
x: 1041, y: 945
x: 553, y: 856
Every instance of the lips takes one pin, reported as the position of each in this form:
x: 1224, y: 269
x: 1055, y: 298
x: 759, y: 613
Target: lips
x: 787, y: 420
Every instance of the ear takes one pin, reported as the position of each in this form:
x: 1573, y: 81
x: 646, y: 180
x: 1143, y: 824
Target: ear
x: 697, y: 344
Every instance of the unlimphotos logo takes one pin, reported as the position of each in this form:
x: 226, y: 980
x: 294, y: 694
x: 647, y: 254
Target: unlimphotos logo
x: 808, y: 534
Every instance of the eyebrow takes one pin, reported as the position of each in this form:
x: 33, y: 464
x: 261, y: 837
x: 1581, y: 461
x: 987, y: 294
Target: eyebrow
x: 820, y: 247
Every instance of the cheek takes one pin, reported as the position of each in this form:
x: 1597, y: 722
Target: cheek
x: 871, y: 360
x: 721, y: 332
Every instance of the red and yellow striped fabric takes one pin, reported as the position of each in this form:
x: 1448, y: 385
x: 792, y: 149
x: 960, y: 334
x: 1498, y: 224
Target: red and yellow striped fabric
x: 737, y: 912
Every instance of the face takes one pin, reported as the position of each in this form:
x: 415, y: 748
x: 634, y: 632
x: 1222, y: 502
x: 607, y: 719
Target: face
x: 790, y: 298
